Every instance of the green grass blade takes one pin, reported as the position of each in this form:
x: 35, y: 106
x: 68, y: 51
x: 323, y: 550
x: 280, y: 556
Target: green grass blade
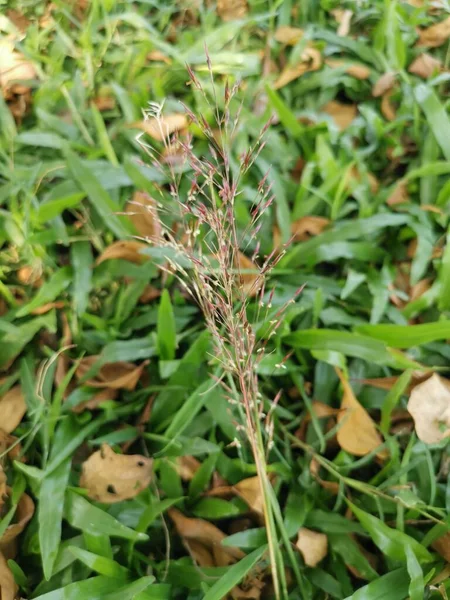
x: 436, y: 115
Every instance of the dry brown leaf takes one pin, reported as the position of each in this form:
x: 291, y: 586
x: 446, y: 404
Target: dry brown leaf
x: 158, y: 56
x: 206, y: 533
x: 342, y: 114
x: 288, y: 35
x: 129, y: 250
x: 311, y: 60
x: 420, y: 288
x: 356, y: 70
x: 45, y: 308
x: 3, y: 490
x: 104, y: 102
x: 187, y: 467
x: 249, y: 490
x: 343, y: 18
x: 357, y: 433
x: 354, y: 175
x: 12, y: 408
x: 399, y: 194
x: 24, y: 512
x: 142, y: 212
x: 120, y: 375
x: 110, y: 477
x: 305, y: 227
x: 312, y: 545
x: 425, y: 66
x: 387, y: 110
x: 160, y: 129
x: 229, y: 10
x: 200, y: 553
x: 436, y: 35
x: 384, y: 84
x: 96, y: 400
x: 15, y: 70
x: 9, y: 445
x: 250, y: 282
x: 386, y: 383
x: 8, y: 587
x: 429, y: 406
x: 18, y: 19
x: 149, y: 294
x: 442, y: 546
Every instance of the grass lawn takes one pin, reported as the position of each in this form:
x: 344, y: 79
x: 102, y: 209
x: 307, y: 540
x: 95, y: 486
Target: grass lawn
x: 224, y: 299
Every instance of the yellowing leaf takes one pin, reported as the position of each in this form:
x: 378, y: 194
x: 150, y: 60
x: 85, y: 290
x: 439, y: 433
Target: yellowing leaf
x: 229, y: 10
x: 161, y: 128
x: 425, y: 66
x: 342, y: 114
x: 250, y: 282
x: 14, y: 67
x: 308, y: 226
x: 8, y: 587
x: 312, y: 545
x: 288, y: 35
x: 311, y: 60
x: 129, y: 250
x: 356, y: 70
x: 429, y: 406
x: 120, y: 375
x: 436, y: 35
x: 357, y: 433
x: 142, y: 212
x: 385, y: 83
x: 12, y: 409
x: 110, y: 477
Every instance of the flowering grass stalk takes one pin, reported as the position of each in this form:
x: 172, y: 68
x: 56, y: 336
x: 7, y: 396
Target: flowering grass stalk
x: 207, y: 257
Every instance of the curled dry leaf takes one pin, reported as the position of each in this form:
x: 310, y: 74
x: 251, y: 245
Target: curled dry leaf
x: 399, y: 194
x: 386, y: 383
x: 229, y: 10
x: 288, y: 35
x: 161, y: 128
x: 205, y: 533
x: 45, y: 308
x: 342, y: 114
x: 343, y: 18
x: 12, y: 408
x: 385, y: 83
x: 120, y: 375
x: 311, y: 60
x: 15, y: 70
x: 356, y: 70
x: 429, y: 406
x: 436, y: 35
x: 110, y: 477
x: 142, y: 212
x: 30, y: 275
x: 8, y: 587
x: 312, y: 545
x: 305, y: 227
x: 129, y: 250
x: 24, y: 512
x: 357, y: 433
x: 250, y: 282
x: 387, y: 110
x: 425, y: 66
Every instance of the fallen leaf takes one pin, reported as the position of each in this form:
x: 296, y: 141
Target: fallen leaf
x: 425, y: 66
x: 342, y: 114
x: 8, y: 587
x: 12, y: 408
x: 24, y: 512
x: 387, y: 110
x: 305, y: 227
x: 385, y: 83
x: 199, y: 530
x: 158, y: 56
x: 354, y: 175
x: 142, y: 212
x: 110, y: 477
x: 15, y: 70
x: 104, y: 102
x: 229, y: 10
x: 18, y: 19
x: 312, y: 545
x: 331, y: 486
x: 187, y: 467
x: 249, y: 490
x: 45, y: 308
x: 442, y: 546
x: 420, y: 288
x: 96, y: 400
x: 250, y: 282
x: 3, y: 490
x: 311, y: 60
x: 129, y: 250
x: 399, y: 194
x: 356, y: 70
x: 429, y: 406
x: 357, y: 433
x: 119, y: 375
x: 436, y: 35
x: 386, y: 383
x: 343, y: 18
x: 161, y: 128
x: 288, y: 35
x: 30, y: 275
x: 149, y: 294
x: 9, y: 445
